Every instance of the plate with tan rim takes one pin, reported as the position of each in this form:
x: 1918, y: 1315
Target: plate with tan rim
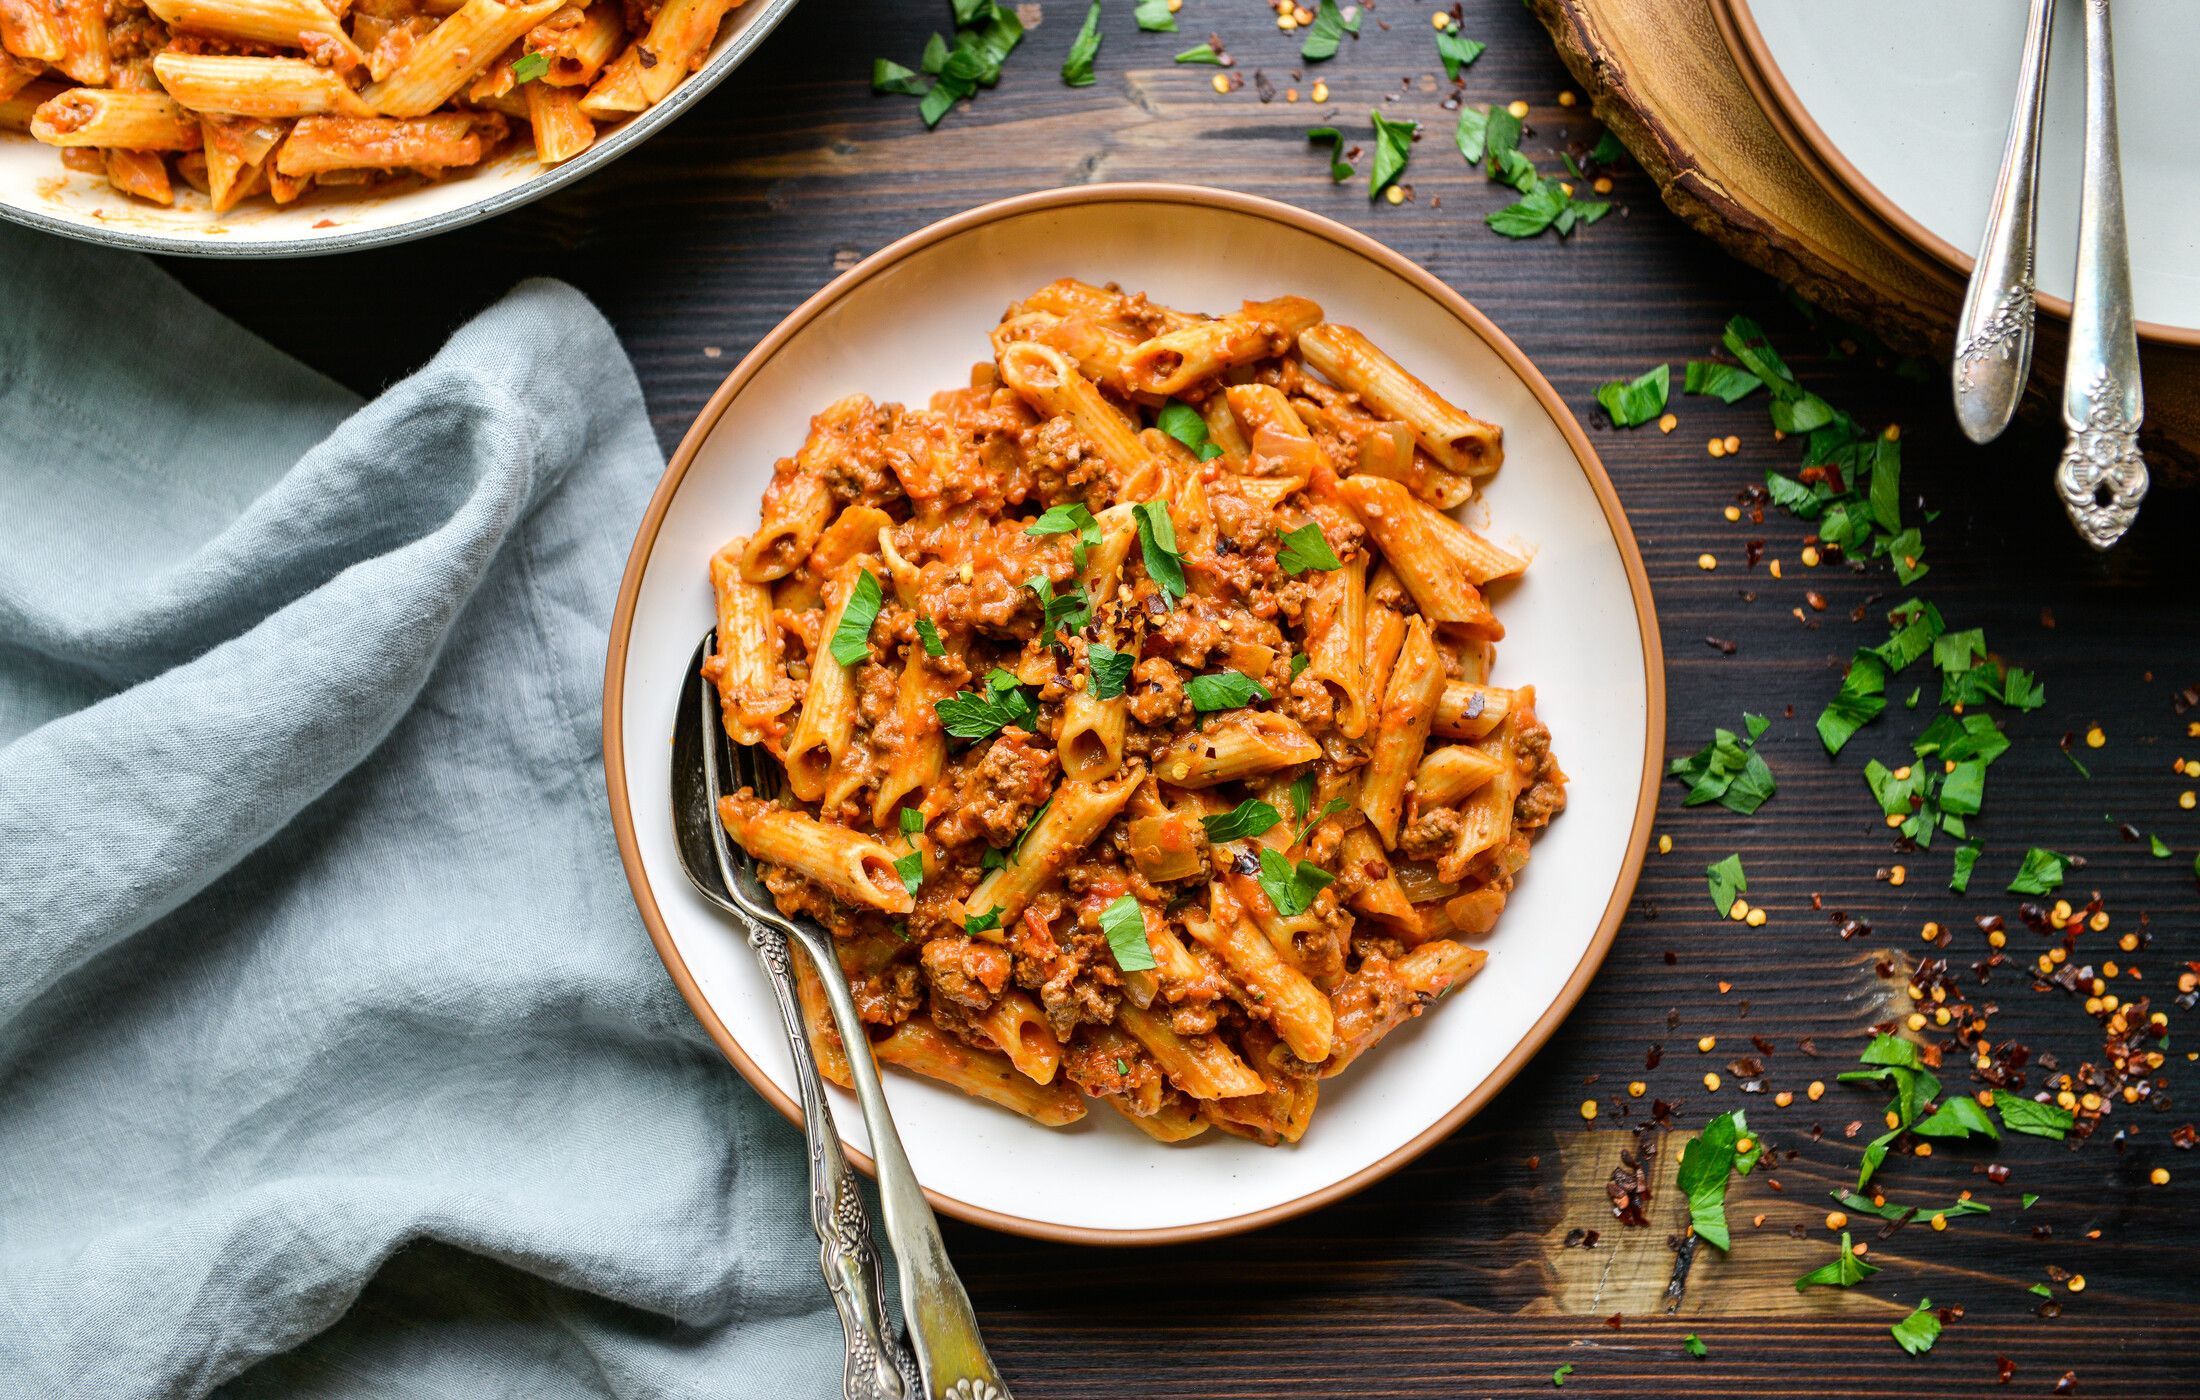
x: 1899, y: 110
x: 1580, y: 627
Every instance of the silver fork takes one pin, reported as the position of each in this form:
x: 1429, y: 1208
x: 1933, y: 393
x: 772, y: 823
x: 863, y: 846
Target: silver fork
x: 950, y: 1360
x: 2102, y: 477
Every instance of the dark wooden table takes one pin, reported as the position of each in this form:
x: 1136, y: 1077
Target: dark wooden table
x: 1464, y: 1274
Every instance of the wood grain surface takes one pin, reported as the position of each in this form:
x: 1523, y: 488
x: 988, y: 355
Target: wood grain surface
x: 1462, y: 1275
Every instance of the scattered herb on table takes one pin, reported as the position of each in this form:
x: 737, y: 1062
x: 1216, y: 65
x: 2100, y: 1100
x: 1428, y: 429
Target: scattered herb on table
x: 1712, y: 379
x: 1916, y: 1333
x: 1155, y: 17
x: 1694, y: 1345
x: 1340, y: 169
x: 1704, y: 1168
x: 1558, y: 1377
x: 1841, y: 1273
x: 1327, y: 31
x: 1077, y: 67
x: 1728, y: 883
x: 2041, y: 873
x: 1393, y: 148
x: 1887, y: 1210
x: 1728, y: 770
x: 1456, y: 50
x: 2022, y: 1115
x: 1631, y: 403
x: 1200, y: 53
x: 985, y: 35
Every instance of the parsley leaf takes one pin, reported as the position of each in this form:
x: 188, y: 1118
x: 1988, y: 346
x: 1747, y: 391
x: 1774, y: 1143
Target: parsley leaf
x: 530, y: 66
x: 1182, y: 422
x: 1249, y: 818
x: 1607, y: 151
x: 1329, y: 27
x: 1456, y: 50
x: 911, y: 869
x: 1290, y: 885
x: 1157, y: 545
x: 886, y: 76
x: 1862, y: 697
x: 1537, y: 211
x: 1329, y: 809
x: 2042, y: 1290
x: 1705, y: 1165
x: 1720, y: 381
x: 1340, y: 169
x: 1393, y: 148
x: 1077, y: 68
x: 1728, y: 883
x: 979, y: 923
x: 1888, y: 1210
x: 1633, y: 403
x: 2041, y: 873
x: 1068, y: 608
x: 1502, y: 130
x: 1224, y: 690
x: 1916, y: 1333
x: 912, y: 821
x: 2022, y: 1115
x: 1155, y: 17
x: 1727, y: 770
x: 1959, y: 878
x: 2158, y: 847
x: 1200, y: 53
x: 984, y: 37
x: 1074, y: 518
x: 1842, y: 1272
x: 1558, y: 1377
x: 929, y: 635
x: 979, y: 714
x: 1124, y: 922
x: 1111, y: 670
x: 1306, y: 548
x: 1472, y: 134
x: 1302, y: 795
x: 1693, y: 1344
x: 1958, y: 1117
x: 1299, y: 662
x: 852, y: 638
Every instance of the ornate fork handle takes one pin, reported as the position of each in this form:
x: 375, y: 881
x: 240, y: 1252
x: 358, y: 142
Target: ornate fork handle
x: 2102, y: 476
x: 877, y: 1366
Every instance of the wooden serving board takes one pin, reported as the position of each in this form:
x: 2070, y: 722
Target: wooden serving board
x: 1660, y: 75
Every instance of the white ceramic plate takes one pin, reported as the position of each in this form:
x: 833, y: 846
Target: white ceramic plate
x: 1908, y: 104
x: 912, y: 319
x: 36, y: 190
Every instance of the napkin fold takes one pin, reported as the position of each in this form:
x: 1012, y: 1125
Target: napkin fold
x: 334, y: 1061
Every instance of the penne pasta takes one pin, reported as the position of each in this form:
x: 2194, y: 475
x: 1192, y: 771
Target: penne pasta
x: 1401, y: 730
x: 109, y: 118
x: 1423, y: 545
x: 1200, y: 1065
x: 828, y: 717
x: 1019, y: 1030
x: 922, y: 1048
x: 1459, y: 441
x: 1174, y: 360
x: 1242, y: 744
x: 561, y: 130
x: 1071, y: 818
x: 255, y: 87
x: 320, y: 144
x: 461, y: 46
x: 292, y: 24
x: 1045, y: 379
x: 851, y: 866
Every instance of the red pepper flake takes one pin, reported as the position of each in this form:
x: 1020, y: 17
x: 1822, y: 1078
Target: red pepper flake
x: 1753, y: 550
x: 1808, y: 1046
x: 2069, y: 1382
x: 2183, y: 1138
x: 1656, y: 1053
x: 1534, y: 1162
x: 1613, y: 1322
x: 1764, y: 1046
x: 1997, y: 1173
x: 2004, y: 1369
x: 1721, y: 645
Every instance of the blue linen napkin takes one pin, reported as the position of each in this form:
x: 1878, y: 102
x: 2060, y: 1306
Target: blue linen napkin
x: 334, y: 1061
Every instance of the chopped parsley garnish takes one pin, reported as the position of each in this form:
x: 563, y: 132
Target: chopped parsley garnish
x: 985, y: 34
x: 1558, y: 1377
x: 886, y: 76
x: 1299, y: 662
x: 1111, y: 670
x: 1607, y: 151
x: 1959, y: 878
x: 929, y: 635
x: 1705, y: 1165
x: 1059, y: 610
x: 1290, y: 885
x: 1224, y: 690
x: 1456, y: 50
x: 1916, y: 1333
x: 1249, y: 818
x: 1887, y: 1210
x: 1720, y: 381
x: 1728, y: 770
x: 530, y: 66
x: 1157, y: 546
x: 1302, y: 795
x: 979, y: 923
x: 2041, y: 1290
x: 1182, y: 422
x: 1200, y: 53
x: 1959, y: 1117
x: 992, y: 859
x: 1124, y: 922
x: 1155, y: 17
x: 1072, y: 519
x: 1329, y: 27
x: 1393, y: 148
x: 1861, y: 699
x: 1305, y: 549
x: 1077, y: 68
x: 1632, y: 403
x: 852, y: 638
x: 911, y: 869
x: 1892, y: 1060
x: 1694, y: 1346
x: 2022, y: 1115
x: 1492, y: 137
x: 1472, y: 134
x: 2025, y: 1201
x: 2041, y: 873
x: 979, y: 714
x: 1329, y: 809
x: 2158, y: 847
x: 912, y: 821
x: 1728, y: 883
x: 1340, y: 169
x: 1016, y: 847
x: 1845, y: 1270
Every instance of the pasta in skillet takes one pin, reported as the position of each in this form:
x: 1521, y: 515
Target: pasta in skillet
x: 1135, y: 712
x: 274, y: 97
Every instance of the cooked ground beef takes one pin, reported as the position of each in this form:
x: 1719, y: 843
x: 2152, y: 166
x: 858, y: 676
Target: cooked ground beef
x: 1431, y: 833
x: 966, y: 971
